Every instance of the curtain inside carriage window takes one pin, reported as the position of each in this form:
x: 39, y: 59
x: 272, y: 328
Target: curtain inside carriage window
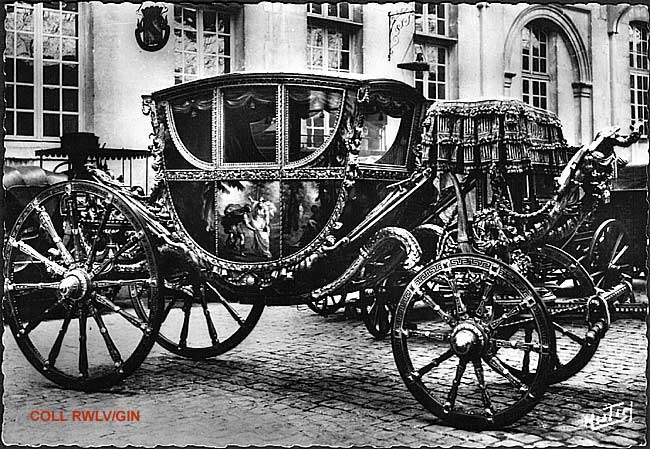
x: 386, y: 131
x: 193, y: 120
x: 250, y: 124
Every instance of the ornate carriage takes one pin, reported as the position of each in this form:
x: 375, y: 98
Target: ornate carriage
x: 276, y: 189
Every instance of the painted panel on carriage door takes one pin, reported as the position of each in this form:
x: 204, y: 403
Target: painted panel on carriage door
x: 249, y: 218
x: 306, y: 208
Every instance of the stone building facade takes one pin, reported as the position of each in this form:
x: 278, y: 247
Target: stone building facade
x: 79, y: 68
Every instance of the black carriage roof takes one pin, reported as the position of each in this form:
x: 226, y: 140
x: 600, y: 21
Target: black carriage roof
x: 346, y: 80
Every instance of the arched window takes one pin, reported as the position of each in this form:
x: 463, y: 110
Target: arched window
x: 639, y: 73
x: 535, y: 70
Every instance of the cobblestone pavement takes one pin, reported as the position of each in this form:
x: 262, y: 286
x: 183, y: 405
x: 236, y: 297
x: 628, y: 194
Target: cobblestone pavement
x: 301, y: 379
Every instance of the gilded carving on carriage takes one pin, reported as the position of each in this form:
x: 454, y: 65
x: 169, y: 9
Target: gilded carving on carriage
x: 291, y: 189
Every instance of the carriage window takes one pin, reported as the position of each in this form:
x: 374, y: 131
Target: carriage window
x: 193, y: 120
x: 313, y: 115
x: 250, y: 124
x: 385, y: 136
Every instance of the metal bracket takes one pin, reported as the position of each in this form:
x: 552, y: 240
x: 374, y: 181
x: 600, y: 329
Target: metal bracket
x: 397, y: 21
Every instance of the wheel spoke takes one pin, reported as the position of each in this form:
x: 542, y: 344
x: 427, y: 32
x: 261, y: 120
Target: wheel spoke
x: 568, y: 333
x: 128, y: 245
x: 485, y: 395
x: 110, y: 345
x: 144, y: 327
x: 227, y: 305
x: 73, y: 215
x: 525, y: 363
x: 212, y: 331
x: 433, y: 364
x: 187, y: 310
x: 38, y: 320
x: 22, y: 287
x: 618, y: 255
x: 169, y: 308
x: 83, y: 350
x: 436, y: 336
x: 461, y: 310
x: 451, y: 397
x: 512, y: 344
x: 447, y: 318
x: 528, y: 302
x: 28, y: 250
x: 121, y: 283
x: 46, y: 221
x: 100, y: 229
x: 497, y: 365
x: 56, y: 347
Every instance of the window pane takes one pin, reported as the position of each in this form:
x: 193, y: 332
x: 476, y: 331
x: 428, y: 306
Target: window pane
x: 9, y: 122
x: 25, y: 97
x: 9, y: 95
x: 210, y: 21
x: 189, y: 39
x: 24, y: 71
x: 190, y: 64
x: 24, y: 19
x: 211, y: 65
x: 25, y: 124
x: 69, y: 6
x: 70, y: 100
x: 345, y: 61
x: 24, y: 45
x: 70, y: 50
x: 331, y: 10
x: 51, y: 125
x: 51, y: 22
x: 344, y: 11
x: 9, y: 68
x: 70, y: 75
x: 250, y: 124
x: 224, y: 23
x: 193, y: 122
x: 9, y: 48
x: 189, y: 19
x: 313, y: 114
x: 51, y: 99
x: 51, y: 48
x: 224, y: 45
x: 316, y: 8
x: 70, y: 123
x: 441, y: 91
x: 211, y: 44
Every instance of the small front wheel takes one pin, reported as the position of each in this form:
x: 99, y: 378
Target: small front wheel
x: 461, y: 322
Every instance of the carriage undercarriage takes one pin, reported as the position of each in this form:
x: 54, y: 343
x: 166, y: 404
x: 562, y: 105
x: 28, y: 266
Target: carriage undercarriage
x: 483, y: 313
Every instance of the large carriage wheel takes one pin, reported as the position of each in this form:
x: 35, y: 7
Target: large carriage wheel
x: 205, y: 322
x: 566, y: 288
x: 69, y: 257
x: 473, y: 313
x: 607, y: 254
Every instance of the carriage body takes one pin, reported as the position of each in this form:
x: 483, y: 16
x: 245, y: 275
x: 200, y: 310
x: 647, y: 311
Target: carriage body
x: 260, y: 172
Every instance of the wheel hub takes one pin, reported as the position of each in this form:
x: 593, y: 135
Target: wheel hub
x: 75, y: 285
x: 467, y: 340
